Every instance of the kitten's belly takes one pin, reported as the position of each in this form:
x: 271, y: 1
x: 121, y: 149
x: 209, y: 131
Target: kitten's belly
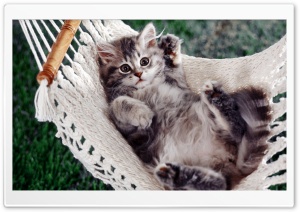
x: 195, y: 147
x: 186, y: 134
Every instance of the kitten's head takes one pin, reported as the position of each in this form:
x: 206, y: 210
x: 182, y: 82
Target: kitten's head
x: 131, y: 61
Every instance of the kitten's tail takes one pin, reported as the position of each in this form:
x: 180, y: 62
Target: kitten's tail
x: 256, y: 111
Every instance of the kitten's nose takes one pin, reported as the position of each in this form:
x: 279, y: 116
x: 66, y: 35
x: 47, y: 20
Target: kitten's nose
x: 138, y: 74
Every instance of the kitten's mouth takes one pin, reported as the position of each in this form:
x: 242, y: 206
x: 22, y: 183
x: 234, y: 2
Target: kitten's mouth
x: 140, y: 80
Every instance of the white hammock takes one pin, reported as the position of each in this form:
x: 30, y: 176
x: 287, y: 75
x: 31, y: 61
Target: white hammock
x: 80, y: 108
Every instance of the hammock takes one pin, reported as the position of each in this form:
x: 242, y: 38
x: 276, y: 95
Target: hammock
x: 76, y: 103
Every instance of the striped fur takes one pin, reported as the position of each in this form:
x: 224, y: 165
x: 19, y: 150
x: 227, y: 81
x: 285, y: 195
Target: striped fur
x: 187, y: 141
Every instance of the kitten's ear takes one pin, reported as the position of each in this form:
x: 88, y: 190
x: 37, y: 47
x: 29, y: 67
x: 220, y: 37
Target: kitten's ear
x: 106, y: 52
x: 147, y: 37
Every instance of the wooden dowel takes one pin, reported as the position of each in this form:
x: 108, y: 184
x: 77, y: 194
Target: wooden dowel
x: 58, y: 51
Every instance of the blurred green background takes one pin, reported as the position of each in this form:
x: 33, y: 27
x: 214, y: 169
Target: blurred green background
x: 41, y: 162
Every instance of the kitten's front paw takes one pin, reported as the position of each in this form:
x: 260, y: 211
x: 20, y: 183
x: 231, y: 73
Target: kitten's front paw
x: 142, y: 117
x: 170, y: 44
x: 166, y: 173
x: 131, y: 111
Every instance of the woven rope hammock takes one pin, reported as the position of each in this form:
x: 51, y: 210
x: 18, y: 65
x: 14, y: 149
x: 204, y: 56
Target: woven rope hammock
x: 73, y: 98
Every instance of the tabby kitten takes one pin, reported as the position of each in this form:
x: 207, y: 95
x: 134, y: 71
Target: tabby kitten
x: 188, y: 141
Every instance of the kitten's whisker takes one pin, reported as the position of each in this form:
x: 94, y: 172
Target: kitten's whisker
x: 160, y: 34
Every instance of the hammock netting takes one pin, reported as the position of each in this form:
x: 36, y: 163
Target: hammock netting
x: 80, y: 109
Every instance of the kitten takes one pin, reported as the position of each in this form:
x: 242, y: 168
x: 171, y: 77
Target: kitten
x: 188, y: 141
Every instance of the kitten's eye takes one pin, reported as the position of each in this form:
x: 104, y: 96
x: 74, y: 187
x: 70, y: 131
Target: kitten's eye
x: 144, y: 61
x: 125, y: 69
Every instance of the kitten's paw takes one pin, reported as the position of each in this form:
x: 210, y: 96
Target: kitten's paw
x: 170, y: 44
x: 131, y: 111
x: 142, y: 117
x: 181, y: 177
x: 212, y: 89
x: 166, y: 173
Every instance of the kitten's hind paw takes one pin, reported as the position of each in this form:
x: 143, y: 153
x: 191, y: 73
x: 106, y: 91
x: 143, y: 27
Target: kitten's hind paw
x: 181, y: 177
x: 212, y: 90
x: 166, y: 173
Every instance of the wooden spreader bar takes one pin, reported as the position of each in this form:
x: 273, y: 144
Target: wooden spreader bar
x: 58, y: 51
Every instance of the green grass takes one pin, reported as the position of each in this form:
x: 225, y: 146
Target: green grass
x: 220, y: 39
x: 41, y: 162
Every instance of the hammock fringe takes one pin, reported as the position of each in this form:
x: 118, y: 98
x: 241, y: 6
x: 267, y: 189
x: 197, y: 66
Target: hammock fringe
x: 43, y: 107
